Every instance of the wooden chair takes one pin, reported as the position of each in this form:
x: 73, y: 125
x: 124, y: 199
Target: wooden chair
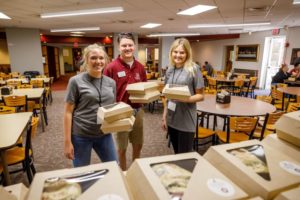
x: 7, y: 110
x: 292, y: 107
x: 268, y: 126
x: 239, y: 129
x: 203, y: 133
x: 277, y: 97
x: 37, y: 83
x: 13, y: 83
x: 15, y: 74
x: 25, y: 86
x: 41, y: 76
x: 24, y: 155
x: 238, y: 85
x: 251, y: 87
x: 267, y: 99
x: 19, y: 102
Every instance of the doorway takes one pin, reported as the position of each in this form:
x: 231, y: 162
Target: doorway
x: 272, y: 59
x: 229, y: 58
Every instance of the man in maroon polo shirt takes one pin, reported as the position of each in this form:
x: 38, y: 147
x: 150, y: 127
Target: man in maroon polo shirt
x: 126, y: 70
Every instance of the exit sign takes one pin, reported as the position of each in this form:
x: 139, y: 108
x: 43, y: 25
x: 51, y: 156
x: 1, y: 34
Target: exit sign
x: 275, y: 31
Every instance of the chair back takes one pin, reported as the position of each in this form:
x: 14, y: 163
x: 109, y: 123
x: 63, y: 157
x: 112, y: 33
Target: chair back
x: 270, y: 120
x: 19, y: 102
x: 243, y: 124
x: 276, y: 94
x: 37, y: 83
x: 41, y: 76
x: 292, y: 107
x: 267, y: 99
x: 13, y: 83
x: 25, y: 86
x: 279, y: 85
x: 7, y: 110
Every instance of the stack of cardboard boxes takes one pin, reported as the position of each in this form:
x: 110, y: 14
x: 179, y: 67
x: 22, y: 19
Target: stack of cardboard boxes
x: 180, y: 92
x: 143, y: 92
x: 117, y: 117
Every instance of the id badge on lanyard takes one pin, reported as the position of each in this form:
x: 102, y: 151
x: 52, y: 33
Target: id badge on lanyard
x: 171, y: 105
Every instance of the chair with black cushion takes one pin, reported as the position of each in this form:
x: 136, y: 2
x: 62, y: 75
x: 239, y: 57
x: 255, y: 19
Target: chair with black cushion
x: 24, y: 155
x: 239, y: 129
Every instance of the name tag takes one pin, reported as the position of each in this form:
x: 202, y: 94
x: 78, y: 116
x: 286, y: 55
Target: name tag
x: 121, y: 74
x: 172, y: 106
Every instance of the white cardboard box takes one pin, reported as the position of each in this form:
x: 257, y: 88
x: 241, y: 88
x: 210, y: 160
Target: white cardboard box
x: 18, y: 190
x: 283, y: 146
x: 176, y: 92
x: 114, y: 112
x: 244, y: 164
x: 293, y: 194
x: 4, y: 194
x: 111, y: 186
x: 118, y: 126
x: 145, y: 98
x: 141, y: 87
x: 288, y: 127
x: 205, y: 182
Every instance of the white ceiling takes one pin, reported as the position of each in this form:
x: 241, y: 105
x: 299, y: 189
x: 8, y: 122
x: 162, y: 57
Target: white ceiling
x: 25, y: 14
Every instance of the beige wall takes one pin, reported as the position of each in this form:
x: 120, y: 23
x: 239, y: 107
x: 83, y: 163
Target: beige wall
x: 4, y: 56
x: 68, y: 55
x: 214, y: 51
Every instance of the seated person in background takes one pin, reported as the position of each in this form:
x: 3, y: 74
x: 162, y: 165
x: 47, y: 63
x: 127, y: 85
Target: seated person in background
x: 296, y: 71
x: 281, y: 75
x: 208, y: 68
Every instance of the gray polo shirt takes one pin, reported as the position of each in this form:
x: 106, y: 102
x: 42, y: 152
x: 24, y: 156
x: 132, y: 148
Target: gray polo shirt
x: 84, y: 91
x: 185, y: 115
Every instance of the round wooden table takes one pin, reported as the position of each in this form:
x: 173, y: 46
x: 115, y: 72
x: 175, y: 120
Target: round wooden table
x: 239, y: 106
x: 288, y: 90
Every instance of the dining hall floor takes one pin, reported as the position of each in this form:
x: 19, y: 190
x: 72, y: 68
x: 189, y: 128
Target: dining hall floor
x: 48, y: 145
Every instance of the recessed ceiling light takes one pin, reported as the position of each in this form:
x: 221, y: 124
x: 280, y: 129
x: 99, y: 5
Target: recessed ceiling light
x: 296, y: 2
x: 76, y: 29
x: 150, y: 25
x: 76, y: 35
x: 77, y: 32
x: 196, y: 10
x: 83, y: 12
x: 226, y: 25
x: 171, y: 34
x: 4, y: 16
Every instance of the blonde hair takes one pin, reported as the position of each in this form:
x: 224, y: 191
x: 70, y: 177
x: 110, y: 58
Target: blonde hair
x: 86, y: 52
x: 188, y: 64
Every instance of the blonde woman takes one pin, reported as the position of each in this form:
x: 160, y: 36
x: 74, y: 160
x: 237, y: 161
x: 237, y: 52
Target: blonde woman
x: 87, y: 92
x: 179, y: 117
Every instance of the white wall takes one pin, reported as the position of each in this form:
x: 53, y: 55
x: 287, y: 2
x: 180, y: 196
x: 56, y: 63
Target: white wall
x: 214, y: 51
x: 24, y: 47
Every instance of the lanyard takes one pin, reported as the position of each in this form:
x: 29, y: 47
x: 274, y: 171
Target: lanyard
x: 99, y: 91
x: 177, y: 76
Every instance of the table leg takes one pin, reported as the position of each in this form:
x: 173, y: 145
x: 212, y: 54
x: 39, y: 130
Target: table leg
x: 7, y: 180
x: 42, y: 115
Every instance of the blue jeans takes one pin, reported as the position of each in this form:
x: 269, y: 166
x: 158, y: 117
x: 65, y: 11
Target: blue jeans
x: 104, y: 147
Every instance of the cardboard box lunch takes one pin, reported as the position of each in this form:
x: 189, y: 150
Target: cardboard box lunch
x: 141, y: 87
x: 145, y: 98
x: 4, y: 194
x: 114, y: 112
x: 93, y: 182
x: 283, y: 146
x: 288, y: 127
x: 293, y: 194
x: 183, y: 176
x: 176, y: 92
x: 18, y: 190
x: 118, y: 126
x: 258, y: 169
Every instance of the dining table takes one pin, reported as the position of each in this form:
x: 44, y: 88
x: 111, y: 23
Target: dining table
x: 12, y: 127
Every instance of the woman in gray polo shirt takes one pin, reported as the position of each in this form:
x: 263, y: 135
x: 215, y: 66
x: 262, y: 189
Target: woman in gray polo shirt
x: 179, y: 117
x: 87, y: 92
